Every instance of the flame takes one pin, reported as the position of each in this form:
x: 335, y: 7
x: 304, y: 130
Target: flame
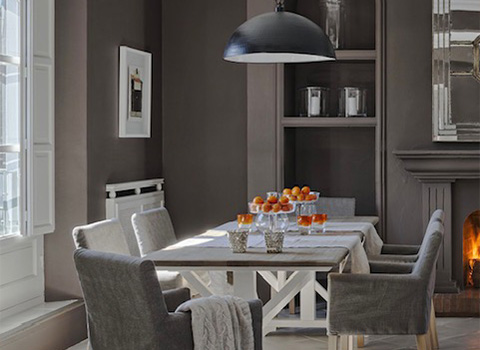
x: 471, y: 242
x: 472, y: 245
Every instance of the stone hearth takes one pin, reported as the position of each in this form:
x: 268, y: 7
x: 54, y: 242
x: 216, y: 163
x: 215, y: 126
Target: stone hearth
x: 437, y: 170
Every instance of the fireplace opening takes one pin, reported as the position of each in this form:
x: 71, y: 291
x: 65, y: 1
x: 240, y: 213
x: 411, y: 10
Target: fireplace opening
x: 471, y: 250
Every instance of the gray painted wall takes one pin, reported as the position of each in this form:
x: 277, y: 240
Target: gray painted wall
x: 409, y: 124
x: 112, y: 23
x: 61, y: 280
x: 89, y: 153
x: 204, y: 109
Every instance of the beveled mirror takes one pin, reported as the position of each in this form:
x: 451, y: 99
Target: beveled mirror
x: 455, y: 70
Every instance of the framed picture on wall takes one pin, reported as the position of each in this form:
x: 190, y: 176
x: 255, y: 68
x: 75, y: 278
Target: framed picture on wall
x: 134, y: 93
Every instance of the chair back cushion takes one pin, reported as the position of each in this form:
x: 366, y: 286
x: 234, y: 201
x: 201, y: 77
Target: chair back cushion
x: 336, y: 206
x: 125, y: 304
x: 153, y: 229
x: 105, y: 236
x: 437, y: 216
x: 425, y: 266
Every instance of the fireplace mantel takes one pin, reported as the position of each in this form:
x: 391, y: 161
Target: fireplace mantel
x: 431, y: 165
x: 437, y: 170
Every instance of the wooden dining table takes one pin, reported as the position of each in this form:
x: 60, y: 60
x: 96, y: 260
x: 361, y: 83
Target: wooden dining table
x: 288, y: 273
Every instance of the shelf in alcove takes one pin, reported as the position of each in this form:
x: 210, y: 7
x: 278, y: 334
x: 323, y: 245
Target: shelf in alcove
x: 327, y: 122
x: 356, y: 55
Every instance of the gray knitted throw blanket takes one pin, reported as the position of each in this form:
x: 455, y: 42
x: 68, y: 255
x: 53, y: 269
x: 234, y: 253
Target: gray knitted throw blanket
x: 220, y: 322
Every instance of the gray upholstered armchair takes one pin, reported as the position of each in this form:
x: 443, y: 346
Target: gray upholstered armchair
x: 336, y: 206
x: 405, y: 253
x: 127, y: 309
x: 388, y: 303
x: 108, y: 236
x: 153, y: 229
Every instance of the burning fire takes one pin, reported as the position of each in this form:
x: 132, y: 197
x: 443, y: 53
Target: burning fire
x: 471, y: 242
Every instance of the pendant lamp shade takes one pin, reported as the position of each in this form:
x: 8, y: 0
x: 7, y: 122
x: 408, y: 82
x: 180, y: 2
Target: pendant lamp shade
x: 279, y: 37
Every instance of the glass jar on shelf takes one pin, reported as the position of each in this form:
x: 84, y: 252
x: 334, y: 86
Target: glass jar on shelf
x: 333, y: 21
x: 313, y: 101
x: 352, y: 102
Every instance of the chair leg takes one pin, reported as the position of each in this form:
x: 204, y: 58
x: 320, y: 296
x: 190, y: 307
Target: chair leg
x: 433, y: 328
x: 344, y: 340
x: 291, y: 306
x: 360, y: 341
x: 351, y: 342
x: 333, y: 342
x: 422, y: 342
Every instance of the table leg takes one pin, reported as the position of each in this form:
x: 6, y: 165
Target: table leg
x: 245, y: 284
x: 308, y: 299
x: 197, y: 283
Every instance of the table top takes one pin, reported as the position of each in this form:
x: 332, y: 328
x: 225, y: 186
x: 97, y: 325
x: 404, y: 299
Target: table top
x: 254, y: 257
x: 189, y: 256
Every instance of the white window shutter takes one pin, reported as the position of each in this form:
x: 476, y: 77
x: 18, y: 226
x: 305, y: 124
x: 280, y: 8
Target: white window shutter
x: 41, y: 118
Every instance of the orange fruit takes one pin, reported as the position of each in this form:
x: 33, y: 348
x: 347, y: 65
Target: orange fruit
x: 272, y: 200
x: 301, y: 197
x: 289, y: 206
x: 293, y: 198
x: 258, y: 200
x: 310, y: 197
x: 276, y: 207
x: 296, y: 191
x: 266, y: 208
x: 286, y: 207
x: 284, y: 200
x: 305, y: 190
x: 287, y: 191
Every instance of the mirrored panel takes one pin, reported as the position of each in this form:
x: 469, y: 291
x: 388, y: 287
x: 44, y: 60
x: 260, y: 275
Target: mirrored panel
x: 456, y: 74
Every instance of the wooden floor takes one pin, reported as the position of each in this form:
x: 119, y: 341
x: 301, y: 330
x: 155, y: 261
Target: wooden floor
x: 463, y: 304
x: 453, y: 333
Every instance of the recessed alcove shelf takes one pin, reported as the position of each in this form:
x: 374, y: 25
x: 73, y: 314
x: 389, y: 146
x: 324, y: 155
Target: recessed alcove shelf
x: 356, y: 55
x: 327, y: 122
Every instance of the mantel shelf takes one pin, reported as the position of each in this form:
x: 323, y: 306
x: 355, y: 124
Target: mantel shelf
x: 327, y: 122
x: 356, y: 55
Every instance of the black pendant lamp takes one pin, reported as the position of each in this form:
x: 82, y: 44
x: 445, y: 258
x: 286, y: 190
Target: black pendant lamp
x: 279, y: 37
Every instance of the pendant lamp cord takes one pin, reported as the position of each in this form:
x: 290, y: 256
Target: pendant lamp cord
x: 280, y: 5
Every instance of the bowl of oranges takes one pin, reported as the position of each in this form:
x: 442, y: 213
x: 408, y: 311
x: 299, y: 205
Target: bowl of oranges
x: 301, y: 195
x: 271, y: 205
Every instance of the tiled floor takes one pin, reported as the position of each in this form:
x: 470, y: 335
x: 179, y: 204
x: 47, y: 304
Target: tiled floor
x: 454, y: 334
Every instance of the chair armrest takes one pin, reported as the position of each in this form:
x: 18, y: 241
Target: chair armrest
x: 390, y: 267
x: 393, y: 258
x: 176, y: 332
x: 175, y: 297
x: 257, y: 322
x: 377, y: 304
x: 400, y: 249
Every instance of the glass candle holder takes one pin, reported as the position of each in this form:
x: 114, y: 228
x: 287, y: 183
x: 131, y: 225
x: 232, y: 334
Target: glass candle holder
x: 274, y: 241
x: 352, y: 102
x: 245, y: 221
x: 318, y: 222
x: 313, y: 101
x: 238, y: 240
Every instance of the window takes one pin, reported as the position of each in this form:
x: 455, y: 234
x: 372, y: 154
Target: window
x: 10, y: 117
x: 26, y: 149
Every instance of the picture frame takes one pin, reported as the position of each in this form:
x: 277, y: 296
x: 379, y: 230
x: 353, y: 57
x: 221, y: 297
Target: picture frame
x: 134, y: 93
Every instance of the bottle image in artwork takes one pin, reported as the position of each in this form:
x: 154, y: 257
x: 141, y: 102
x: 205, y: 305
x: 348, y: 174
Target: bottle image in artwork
x: 135, y: 93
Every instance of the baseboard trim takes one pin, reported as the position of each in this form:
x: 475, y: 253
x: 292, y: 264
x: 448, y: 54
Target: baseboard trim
x: 58, y: 330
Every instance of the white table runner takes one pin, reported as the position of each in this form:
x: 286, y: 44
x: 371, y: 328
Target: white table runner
x: 373, y: 243
x: 218, y: 239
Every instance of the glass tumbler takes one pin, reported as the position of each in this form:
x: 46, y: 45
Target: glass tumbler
x: 245, y: 221
x: 318, y: 222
